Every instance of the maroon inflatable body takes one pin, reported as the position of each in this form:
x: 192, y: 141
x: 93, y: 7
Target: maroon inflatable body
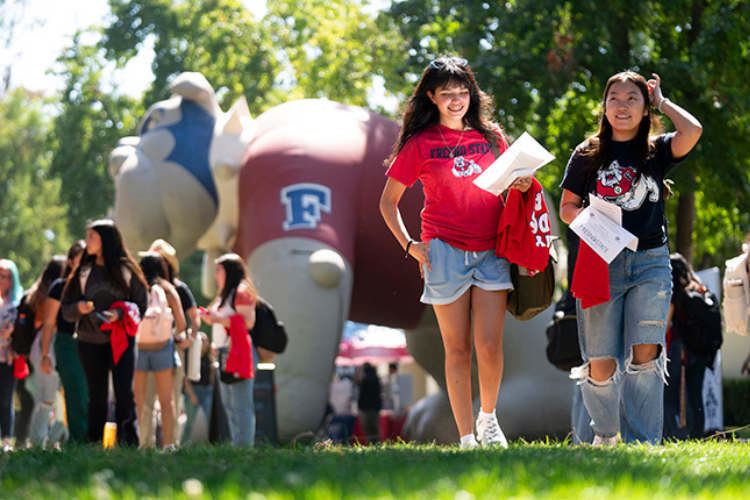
x: 315, y: 170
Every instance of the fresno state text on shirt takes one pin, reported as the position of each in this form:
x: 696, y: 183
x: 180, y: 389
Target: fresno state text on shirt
x: 472, y: 149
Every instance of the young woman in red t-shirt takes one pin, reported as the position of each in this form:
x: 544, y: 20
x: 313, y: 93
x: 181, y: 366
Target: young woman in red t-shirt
x: 445, y: 142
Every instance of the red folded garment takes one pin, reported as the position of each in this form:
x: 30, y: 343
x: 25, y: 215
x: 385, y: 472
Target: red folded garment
x: 524, y: 231
x: 590, y: 278
x: 122, y: 329
x: 240, y: 357
x: 20, y: 367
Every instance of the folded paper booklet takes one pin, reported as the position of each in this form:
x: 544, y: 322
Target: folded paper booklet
x: 524, y: 157
x: 600, y: 226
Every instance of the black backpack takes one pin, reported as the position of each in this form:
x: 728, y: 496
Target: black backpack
x: 702, y: 332
x: 563, y: 350
x: 268, y: 332
x: 24, y: 332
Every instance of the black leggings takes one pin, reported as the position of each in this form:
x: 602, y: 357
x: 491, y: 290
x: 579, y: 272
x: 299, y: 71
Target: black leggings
x: 7, y: 388
x: 97, y: 361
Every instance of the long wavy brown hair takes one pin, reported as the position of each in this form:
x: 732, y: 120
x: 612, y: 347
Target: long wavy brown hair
x: 420, y: 112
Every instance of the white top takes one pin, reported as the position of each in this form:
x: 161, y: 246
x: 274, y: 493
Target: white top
x: 219, y: 334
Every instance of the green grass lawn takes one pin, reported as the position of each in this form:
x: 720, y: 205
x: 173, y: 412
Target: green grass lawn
x: 710, y: 469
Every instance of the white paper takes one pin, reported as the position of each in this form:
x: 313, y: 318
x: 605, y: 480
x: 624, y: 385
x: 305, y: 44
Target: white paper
x: 521, y: 159
x: 605, y: 236
x: 614, y: 213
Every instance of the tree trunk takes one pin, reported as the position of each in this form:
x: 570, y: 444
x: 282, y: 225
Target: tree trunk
x: 685, y: 219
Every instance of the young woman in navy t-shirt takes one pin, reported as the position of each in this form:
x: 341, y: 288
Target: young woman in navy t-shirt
x: 622, y: 340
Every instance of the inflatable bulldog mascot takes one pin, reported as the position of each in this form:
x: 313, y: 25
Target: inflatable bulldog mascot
x: 295, y: 192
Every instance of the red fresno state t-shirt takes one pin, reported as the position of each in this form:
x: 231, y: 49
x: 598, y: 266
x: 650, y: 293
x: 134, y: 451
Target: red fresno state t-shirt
x: 455, y: 210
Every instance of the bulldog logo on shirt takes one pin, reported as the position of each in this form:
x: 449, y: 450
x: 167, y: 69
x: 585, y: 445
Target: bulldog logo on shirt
x: 464, y: 168
x: 617, y: 184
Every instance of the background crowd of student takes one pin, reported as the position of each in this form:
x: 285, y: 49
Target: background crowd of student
x: 87, y: 306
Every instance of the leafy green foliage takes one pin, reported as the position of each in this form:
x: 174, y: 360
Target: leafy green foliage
x: 220, y: 39
x: 334, y: 48
x: 92, y: 119
x: 546, y: 64
x: 32, y: 222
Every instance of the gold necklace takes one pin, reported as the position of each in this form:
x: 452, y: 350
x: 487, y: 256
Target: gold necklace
x: 452, y: 151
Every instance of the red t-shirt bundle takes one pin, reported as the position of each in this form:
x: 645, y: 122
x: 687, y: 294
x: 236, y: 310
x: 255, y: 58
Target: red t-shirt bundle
x: 524, y: 231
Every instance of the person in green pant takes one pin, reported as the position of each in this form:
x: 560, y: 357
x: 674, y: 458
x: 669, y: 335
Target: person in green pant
x: 61, y: 334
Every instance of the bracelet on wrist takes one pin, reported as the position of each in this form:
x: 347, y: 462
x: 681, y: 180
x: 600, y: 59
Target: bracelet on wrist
x: 46, y: 356
x: 408, y: 245
x: 662, y: 102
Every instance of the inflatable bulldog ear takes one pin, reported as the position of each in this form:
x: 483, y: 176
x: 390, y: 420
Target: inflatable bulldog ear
x: 194, y: 87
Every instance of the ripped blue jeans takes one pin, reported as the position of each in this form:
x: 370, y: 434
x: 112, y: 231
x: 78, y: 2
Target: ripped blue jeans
x: 632, y: 400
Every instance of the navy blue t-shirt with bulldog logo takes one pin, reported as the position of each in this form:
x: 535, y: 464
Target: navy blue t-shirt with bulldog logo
x: 641, y: 201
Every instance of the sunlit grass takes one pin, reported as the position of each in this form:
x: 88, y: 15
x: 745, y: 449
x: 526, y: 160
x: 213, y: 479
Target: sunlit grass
x: 711, y: 469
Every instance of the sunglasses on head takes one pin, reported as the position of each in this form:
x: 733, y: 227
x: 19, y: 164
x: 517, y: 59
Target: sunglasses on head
x: 439, y: 63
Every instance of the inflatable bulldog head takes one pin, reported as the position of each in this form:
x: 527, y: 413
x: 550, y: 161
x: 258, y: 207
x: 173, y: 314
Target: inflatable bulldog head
x: 177, y: 179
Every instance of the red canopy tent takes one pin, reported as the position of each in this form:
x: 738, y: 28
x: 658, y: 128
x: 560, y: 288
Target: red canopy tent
x: 372, y: 344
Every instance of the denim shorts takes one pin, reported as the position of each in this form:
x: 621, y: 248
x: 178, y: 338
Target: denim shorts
x: 156, y: 361
x: 454, y: 271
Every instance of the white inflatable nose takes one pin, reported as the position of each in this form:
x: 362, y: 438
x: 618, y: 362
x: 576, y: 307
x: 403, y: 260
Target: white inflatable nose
x: 327, y: 267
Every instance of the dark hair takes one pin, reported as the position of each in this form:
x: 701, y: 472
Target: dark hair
x: 683, y: 277
x: 154, y: 266
x: 171, y: 273
x: 421, y: 113
x: 75, y: 250
x: 115, y: 256
x: 237, y: 275
x: 53, y: 270
x: 597, y: 148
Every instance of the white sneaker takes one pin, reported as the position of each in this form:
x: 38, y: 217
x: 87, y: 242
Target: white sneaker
x: 610, y: 441
x: 470, y: 445
x: 490, y: 434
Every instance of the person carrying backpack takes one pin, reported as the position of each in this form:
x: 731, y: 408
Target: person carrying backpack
x: 231, y: 314
x: 156, y: 343
x: 182, y: 344
x: 736, y: 302
x: 693, y: 337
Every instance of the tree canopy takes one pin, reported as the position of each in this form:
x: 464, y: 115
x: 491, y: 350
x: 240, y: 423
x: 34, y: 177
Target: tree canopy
x: 32, y: 225
x: 545, y: 63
